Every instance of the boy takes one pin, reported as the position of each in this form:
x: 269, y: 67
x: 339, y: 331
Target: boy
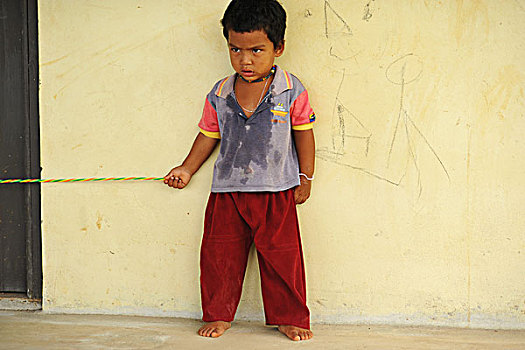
x: 264, y: 168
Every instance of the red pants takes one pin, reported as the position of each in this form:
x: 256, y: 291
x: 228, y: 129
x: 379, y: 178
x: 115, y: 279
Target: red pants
x: 269, y: 219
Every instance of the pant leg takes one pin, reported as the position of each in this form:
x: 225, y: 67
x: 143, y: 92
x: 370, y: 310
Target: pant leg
x: 224, y: 255
x: 281, y: 262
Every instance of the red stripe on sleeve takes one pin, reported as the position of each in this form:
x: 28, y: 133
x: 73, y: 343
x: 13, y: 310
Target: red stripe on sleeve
x: 301, y: 110
x: 209, y: 120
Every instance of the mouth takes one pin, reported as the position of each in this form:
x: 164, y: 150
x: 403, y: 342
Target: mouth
x: 247, y: 73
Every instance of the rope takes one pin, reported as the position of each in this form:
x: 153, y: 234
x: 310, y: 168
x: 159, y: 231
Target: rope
x: 24, y: 181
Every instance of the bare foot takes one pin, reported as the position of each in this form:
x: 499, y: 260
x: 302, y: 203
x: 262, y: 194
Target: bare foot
x: 214, y: 329
x: 296, y: 333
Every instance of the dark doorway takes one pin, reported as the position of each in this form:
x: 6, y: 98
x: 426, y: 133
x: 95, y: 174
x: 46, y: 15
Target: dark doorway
x: 20, y: 241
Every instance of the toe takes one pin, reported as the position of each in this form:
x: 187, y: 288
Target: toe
x: 309, y: 335
x: 206, y: 332
x: 305, y: 334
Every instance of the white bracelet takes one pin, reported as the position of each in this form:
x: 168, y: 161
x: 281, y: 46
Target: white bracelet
x: 307, y: 178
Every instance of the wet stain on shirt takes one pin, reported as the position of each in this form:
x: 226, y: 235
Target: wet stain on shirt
x: 240, y: 138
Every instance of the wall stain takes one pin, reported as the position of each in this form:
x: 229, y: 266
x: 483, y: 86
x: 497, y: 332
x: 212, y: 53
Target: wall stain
x: 109, y: 55
x: 472, y: 20
x: 99, y: 221
x: 508, y: 85
x: 53, y: 61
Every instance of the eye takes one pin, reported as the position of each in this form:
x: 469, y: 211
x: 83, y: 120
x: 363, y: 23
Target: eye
x: 256, y: 50
x: 234, y: 49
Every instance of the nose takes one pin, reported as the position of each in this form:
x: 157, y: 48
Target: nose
x: 245, y: 58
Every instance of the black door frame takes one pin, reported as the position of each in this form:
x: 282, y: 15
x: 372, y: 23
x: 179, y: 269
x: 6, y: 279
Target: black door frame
x: 32, y: 150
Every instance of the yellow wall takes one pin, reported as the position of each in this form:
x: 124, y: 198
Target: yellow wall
x: 416, y: 213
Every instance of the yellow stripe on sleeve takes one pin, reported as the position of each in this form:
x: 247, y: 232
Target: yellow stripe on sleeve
x: 288, y: 84
x: 213, y: 135
x: 219, y: 90
x: 302, y: 127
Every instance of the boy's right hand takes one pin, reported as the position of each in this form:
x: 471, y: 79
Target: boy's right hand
x: 178, y: 177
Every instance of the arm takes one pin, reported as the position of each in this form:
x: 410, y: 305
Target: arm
x: 180, y: 176
x: 305, y: 146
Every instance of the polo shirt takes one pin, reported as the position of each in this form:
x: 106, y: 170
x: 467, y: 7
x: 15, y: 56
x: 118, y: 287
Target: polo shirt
x: 257, y: 153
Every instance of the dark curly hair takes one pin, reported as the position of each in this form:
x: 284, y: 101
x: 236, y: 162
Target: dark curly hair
x: 248, y: 15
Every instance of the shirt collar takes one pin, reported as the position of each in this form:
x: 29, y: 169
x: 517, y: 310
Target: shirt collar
x: 281, y: 82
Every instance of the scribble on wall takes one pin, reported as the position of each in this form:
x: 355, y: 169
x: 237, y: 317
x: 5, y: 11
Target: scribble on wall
x: 334, y: 23
x: 350, y: 137
x: 338, y: 29
x: 341, y: 56
x: 346, y: 125
x: 368, y: 10
x: 397, y: 73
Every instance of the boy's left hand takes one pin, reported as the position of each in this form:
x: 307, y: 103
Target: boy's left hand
x: 302, y: 192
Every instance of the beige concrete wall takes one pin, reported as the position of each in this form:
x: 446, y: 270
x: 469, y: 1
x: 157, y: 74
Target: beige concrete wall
x: 416, y: 209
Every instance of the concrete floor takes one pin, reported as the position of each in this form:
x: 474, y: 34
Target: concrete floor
x: 39, y: 330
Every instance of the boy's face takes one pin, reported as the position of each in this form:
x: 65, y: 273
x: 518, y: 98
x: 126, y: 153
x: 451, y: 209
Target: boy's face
x: 252, y: 54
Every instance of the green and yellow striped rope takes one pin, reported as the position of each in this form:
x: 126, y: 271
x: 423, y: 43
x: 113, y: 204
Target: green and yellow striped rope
x: 25, y: 181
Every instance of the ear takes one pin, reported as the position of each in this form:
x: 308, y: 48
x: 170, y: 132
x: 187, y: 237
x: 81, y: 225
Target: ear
x: 279, y: 49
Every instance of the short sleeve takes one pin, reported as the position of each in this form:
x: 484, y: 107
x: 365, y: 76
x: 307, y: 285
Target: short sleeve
x: 302, y: 113
x: 209, y: 124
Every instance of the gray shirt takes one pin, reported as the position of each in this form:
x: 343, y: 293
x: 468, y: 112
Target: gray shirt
x: 257, y: 153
